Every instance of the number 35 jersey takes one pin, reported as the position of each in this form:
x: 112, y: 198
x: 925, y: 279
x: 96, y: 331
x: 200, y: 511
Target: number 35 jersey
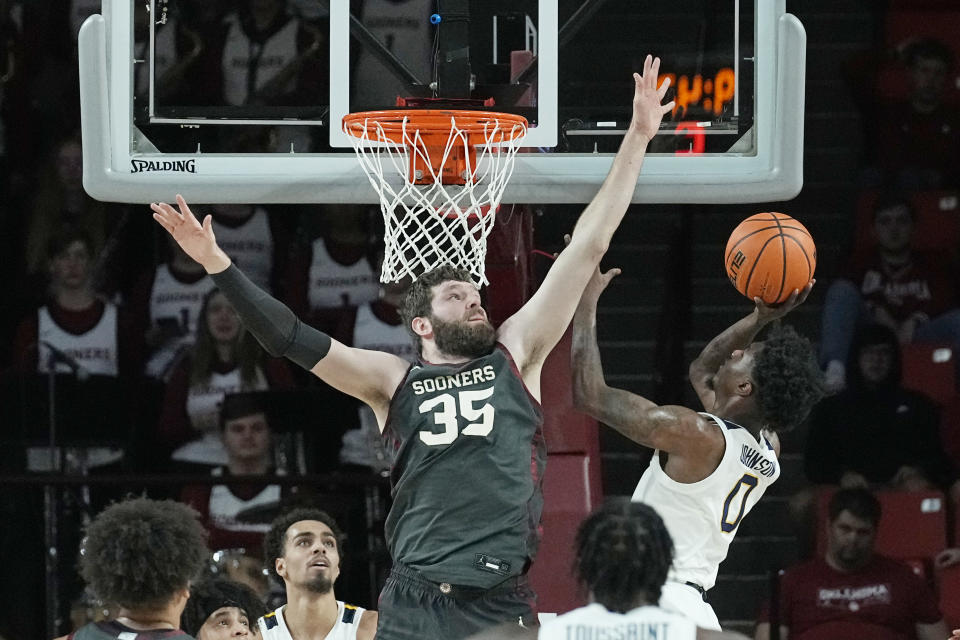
x: 702, y: 517
x: 468, y: 472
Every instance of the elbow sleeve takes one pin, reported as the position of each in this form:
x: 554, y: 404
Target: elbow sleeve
x: 278, y: 330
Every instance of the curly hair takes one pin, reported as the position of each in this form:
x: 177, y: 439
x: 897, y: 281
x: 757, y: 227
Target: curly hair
x: 788, y: 379
x: 209, y: 595
x: 276, y: 538
x: 138, y: 553
x: 418, y: 302
x: 623, y: 553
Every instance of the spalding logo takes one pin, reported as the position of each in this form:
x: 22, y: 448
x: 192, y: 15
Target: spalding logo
x: 179, y: 166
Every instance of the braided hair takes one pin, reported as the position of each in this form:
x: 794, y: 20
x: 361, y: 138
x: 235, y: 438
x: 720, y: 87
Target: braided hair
x: 623, y: 553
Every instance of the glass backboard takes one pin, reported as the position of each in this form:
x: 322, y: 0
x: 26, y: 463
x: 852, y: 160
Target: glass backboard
x: 225, y: 101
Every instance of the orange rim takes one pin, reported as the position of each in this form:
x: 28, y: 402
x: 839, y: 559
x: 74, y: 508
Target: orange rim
x: 434, y: 121
x: 430, y: 131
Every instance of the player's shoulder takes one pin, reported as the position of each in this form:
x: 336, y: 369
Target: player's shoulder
x: 269, y: 623
x: 721, y: 428
x: 367, y: 626
x: 352, y: 614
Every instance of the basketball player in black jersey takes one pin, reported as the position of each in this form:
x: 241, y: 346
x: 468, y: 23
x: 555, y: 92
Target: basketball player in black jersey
x: 465, y: 419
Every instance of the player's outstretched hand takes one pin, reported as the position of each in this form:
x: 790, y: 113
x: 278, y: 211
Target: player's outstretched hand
x: 598, y: 283
x: 955, y: 636
x: 770, y: 312
x: 197, y: 240
x: 647, y: 98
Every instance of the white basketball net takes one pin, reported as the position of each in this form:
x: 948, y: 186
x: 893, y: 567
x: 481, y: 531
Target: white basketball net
x: 432, y: 224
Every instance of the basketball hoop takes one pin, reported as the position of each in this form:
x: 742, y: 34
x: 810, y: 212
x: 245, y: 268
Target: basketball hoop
x: 439, y: 175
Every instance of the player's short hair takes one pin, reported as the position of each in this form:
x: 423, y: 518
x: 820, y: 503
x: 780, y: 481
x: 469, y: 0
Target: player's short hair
x: 138, y: 553
x: 928, y: 49
x: 243, y: 405
x: 211, y: 594
x: 861, y: 503
x: 623, y: 551
x: 276, y: 538
x: 789, y: 382
x: 418, y: 302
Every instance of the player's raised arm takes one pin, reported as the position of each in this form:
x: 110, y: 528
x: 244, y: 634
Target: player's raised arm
x: 670, y: 428
x: 370, y: 376
x: 535, y: 329
x: 737, y: 336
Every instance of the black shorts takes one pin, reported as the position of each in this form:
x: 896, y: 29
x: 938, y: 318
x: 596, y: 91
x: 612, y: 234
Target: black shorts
x: 414, y: 608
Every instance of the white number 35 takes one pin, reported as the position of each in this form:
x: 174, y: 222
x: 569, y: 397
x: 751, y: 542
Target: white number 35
x: 451, y: 407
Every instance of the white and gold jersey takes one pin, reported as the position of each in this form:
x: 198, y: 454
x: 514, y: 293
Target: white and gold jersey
x: 274, y: 627
x: 702, y: 517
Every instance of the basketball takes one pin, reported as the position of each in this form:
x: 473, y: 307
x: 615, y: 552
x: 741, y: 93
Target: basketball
x: 769, y: 255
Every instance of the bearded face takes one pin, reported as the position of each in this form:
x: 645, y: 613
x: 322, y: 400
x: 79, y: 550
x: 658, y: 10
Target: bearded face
x: 465, y: 338
x: 320, y: 583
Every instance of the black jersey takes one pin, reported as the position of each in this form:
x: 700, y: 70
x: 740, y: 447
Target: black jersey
x: 467, y: 481
x: 112, y: 630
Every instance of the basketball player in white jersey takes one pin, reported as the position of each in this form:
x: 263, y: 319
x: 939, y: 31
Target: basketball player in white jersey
x: 623, y: 553
x: 302, y: 548
x: 710, y: 468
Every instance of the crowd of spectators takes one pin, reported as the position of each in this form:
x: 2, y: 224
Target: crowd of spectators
x: 878, y: 432
x: 97, y: 293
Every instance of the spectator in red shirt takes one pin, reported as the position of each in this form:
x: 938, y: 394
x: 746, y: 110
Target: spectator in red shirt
x: 914, y: 294
x: 854, y: 592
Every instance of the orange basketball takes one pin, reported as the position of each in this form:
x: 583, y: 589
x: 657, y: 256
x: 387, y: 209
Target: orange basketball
x: 769, y: 255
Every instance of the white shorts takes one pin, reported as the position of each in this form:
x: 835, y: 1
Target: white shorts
x: 686, y: 601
